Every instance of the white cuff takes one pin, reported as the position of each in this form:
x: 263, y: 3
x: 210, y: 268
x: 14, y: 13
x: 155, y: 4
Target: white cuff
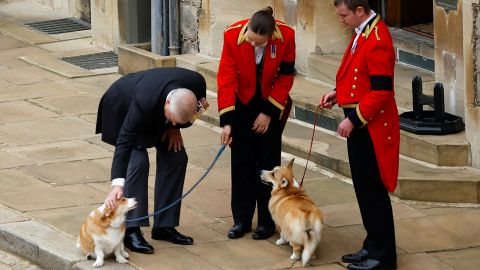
x: 118, y: 182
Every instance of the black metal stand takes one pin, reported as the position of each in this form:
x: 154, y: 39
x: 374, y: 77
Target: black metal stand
x: 436, y: 122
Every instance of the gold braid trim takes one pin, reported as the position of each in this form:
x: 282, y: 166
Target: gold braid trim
x: 227, y: 109
x: 369, y: 28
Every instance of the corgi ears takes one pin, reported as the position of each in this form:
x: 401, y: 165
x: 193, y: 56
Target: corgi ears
x: 284, y: 183
x: 290, y: 164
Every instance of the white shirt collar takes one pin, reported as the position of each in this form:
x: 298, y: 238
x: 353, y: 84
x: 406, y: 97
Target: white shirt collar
x: 360, y: 28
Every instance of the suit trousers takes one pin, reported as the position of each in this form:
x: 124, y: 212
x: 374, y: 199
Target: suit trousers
x: 252, y: 153
x: 372, y: 196
x: 170, y: 176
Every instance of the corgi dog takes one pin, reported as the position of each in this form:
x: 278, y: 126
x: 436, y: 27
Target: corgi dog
x: 297, y: 218
x: 103, y: 231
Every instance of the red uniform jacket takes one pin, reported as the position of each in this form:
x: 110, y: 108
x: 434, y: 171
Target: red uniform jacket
x: 365, y: 81
x: 237, y: 70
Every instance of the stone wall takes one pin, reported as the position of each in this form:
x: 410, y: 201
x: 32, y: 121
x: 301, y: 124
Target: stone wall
x: 471, y: 47
x: 190, y: 11
x: 315, y: 22
x: 449, y: 68
x: 69, y: 8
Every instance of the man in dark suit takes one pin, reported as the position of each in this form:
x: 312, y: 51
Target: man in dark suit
x: 142, y: 110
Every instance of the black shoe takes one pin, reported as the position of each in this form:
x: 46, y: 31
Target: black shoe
x: 370, y: 264
x: 171, y: 234
x: 355, y: 257
x: 239, y: 230
x: 135, y: 242
x: 263, y: 232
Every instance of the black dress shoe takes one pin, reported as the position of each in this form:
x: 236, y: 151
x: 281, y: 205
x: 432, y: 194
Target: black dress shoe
x: 135, y: 242
x: 263, y: 232
x: 355, y: 257
x: 370, y: 264
x: 171, y: 234
x: 239, y: 230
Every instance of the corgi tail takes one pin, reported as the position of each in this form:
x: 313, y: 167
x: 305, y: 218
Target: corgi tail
x: 312, y: 238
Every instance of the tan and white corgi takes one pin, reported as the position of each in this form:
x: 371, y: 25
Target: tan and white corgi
x: 298, y: 219
x: 103, y: 231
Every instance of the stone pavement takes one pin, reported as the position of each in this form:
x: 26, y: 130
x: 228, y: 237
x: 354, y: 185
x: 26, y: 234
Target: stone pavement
x: 54, y: 170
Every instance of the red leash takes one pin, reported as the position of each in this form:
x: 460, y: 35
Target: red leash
x: 311, y: 143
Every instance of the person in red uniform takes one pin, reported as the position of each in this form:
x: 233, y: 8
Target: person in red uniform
x: 255, y: 77
x: 364, y: 89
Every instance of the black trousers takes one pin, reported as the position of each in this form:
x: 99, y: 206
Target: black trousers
x: 252, y: 153
x: 372, y: 196
x: 169, y: 179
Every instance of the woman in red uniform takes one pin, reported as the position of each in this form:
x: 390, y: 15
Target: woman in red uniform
x: 254, y: 78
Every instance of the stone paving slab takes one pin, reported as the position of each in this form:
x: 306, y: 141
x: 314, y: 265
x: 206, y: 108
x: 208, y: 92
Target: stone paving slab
x: 52, y: 197
x: 437, y: 233
x: 66, y: 219
x: 110, y: 264
x: 18, y: 180
x: 346, y: 214
x: 321, y: 191
x: 28, y: 75
x: 210, y: 202
x: 53, y: 64
x: 7, y: 43
x: 172, y: 258
x: 12, y: 160
x: 71, y: 44
x: 460, y: 259
x: 19, y: 111
x: 80, y: 103
x: 67, y: 173
x: 33, y: 91
x: 45, y: 131
x: 422, y: 261
x: 94, y: 84
x: 267, y: 255
x: 4, y: 83
x: 8, y: 215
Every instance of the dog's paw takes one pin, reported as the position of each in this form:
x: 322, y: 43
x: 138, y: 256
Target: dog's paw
x: 281, y: 241
x: 98, y: 263
x: 125, y: 254
x: 295, y: 257
x: 120, y: 259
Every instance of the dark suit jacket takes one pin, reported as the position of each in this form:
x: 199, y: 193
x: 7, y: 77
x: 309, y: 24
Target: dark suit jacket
x: 131, y: 112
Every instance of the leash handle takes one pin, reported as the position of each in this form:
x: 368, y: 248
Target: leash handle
x: 220, y: 151
x: 311, y: 143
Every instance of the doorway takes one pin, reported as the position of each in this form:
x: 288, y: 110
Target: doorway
x: 411, y: 15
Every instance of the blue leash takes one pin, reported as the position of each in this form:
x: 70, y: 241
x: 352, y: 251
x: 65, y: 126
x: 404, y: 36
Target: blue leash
x: 186, y: 193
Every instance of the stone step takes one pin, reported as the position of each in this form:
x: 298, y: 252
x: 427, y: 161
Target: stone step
x: 446, y: 150
x: 413, y: 49
x: 324, y: 68
x: 417, y: 180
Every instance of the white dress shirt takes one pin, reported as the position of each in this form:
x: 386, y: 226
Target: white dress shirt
x: 359, y: 31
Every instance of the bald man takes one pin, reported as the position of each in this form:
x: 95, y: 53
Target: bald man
x: 143, y: 110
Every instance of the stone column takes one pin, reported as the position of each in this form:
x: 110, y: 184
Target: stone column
x: 105, y: 23
x: 471, y: 47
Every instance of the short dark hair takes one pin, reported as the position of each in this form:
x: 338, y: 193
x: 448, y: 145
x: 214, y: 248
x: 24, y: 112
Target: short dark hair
x: 262, y: 22
x: 353, y: 4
